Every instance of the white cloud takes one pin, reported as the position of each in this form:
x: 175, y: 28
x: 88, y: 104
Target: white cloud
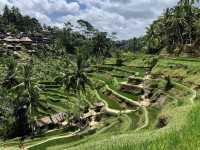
x: 46, y: 6
x: 128, y: 18
x: 42, y: 9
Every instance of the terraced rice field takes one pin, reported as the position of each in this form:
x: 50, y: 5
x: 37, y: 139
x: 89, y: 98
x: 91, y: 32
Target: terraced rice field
x: 128, y: 124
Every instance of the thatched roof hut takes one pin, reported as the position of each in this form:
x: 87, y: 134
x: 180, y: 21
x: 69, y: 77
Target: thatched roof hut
x: 11, y: 39
x: 99, y: 104
x: 55, y: 119
x: 91, y: 113
x: 25, y: 39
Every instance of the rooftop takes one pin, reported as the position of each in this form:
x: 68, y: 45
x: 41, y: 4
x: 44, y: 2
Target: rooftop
x: 25, y: 39
x: 11, y: 39
x: 54, y: 119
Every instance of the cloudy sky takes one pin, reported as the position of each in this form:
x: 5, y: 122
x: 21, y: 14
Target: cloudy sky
x: 128, y: 18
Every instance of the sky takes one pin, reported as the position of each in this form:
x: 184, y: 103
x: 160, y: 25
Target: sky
x: 128, y: 18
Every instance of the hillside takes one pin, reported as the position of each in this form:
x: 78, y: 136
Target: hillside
x: 77, y: 87
x: 145, y: 118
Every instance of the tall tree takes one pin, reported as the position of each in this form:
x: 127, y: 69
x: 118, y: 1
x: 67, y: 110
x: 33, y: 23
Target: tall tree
x: 101, y: 45
x: 86, y: 27
x: 175, y: 28
x: 10, y: 78
x: 76, y: 80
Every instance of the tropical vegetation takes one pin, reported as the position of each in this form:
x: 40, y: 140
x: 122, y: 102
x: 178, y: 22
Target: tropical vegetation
x: 83, y: 89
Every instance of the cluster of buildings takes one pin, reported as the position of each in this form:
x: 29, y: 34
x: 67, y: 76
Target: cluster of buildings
x: 88, y: 119
x: 12, y: 43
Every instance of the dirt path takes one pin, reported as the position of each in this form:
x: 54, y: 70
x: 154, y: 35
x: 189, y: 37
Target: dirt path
x: 194, y: 92
x: 113, y: 111
x: 123, y: 97
x: 110, y: 111
x: 146, y: 123
x: 134, y: 103
x: 53, y: 138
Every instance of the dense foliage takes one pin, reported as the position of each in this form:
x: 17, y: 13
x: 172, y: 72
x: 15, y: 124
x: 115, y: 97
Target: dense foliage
x: 81, y: 67
x: 13, y: 21
x: 176, y: 28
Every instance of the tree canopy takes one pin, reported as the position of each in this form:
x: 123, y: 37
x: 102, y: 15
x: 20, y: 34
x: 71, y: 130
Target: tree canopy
x: 13, y: 21
x: 174, y: 29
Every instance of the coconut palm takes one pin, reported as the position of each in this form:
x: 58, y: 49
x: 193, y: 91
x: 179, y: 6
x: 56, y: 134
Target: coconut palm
x: 175, y: 28
x: 76, y: 79
x: 10, y: 78
x: 6, y: 113
x: 21, y: 108
x: 101, y: 45
x: 22, y: 105
x: 31, y: 88
x: 28, y: 96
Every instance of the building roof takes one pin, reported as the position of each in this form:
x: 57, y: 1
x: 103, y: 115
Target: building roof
x: 54, y: 119
x: 89, y: 114
x: 9, y: 46
x: 43, y: 121
x: 25, y: 39
x: 99, y: 104
x: 57, y: 118
x: 11, y: 39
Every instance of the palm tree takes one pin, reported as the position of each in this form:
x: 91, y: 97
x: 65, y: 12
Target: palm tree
x: 6, y: 113
x: 28, y: 96
x: 188, y: 2
x: 31, y: 88
x: 175, y: 24
x: 153, y: 39
x: 101, y: 45
x: 87, y: 29
x: 21, y: 107
x: 76, y: 79
x: 119, y: 59
x: 10, y: 78
x: 175, y: 28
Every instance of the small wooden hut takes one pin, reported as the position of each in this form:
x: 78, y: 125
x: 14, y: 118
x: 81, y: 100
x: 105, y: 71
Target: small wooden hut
x: 11, y: 40
x: 25, y: 41
x: 50, y: 121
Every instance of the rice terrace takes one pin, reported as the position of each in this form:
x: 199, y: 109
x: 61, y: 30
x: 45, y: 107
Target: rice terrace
x: 99, y: 75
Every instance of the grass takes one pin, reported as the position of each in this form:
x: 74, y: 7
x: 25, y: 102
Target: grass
x: 39, y: 138
x: 52, y: 143
x: 165, y: 138
x: 125, y: 122
x: 113, y: 104
x: 111, y: 83
x: 151, y: 138
x: 135, y: 117
x: 120, y: 132
x: 182, y: 70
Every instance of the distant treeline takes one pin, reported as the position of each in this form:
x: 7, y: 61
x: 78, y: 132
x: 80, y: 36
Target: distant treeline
x: 176, y: 30
x: 13, y: 21
x: 69, y: 39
